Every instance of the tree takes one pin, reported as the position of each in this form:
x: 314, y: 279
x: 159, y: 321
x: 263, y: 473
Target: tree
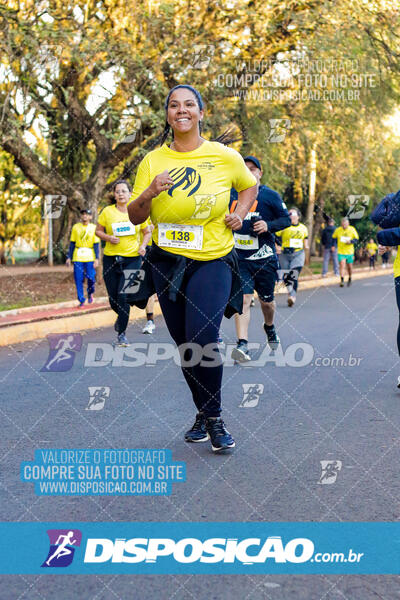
x: 88, y: 82
x: 92, y: 80
x: 19, y: 208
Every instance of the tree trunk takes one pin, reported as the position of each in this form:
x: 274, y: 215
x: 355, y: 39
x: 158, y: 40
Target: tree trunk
x: 318, y: 223
x: 2, y: 253
x: 311, y: 199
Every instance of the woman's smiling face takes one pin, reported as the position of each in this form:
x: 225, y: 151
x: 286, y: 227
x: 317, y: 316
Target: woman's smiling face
x: 183, y: 113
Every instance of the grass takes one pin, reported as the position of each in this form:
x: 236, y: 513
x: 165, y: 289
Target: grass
x: 27, y: 302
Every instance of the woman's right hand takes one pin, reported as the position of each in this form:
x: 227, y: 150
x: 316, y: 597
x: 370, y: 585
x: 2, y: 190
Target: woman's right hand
x: 161, y: 183
x: 382, y: 249
x: 113, y: 239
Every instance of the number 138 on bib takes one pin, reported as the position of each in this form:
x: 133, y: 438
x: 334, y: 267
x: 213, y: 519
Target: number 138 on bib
x: 180, y: 236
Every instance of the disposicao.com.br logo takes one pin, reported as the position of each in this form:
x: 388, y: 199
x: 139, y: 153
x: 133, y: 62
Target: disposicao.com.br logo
x: 247, y: 551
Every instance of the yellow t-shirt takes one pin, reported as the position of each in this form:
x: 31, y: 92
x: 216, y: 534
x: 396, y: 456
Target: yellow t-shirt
x: 342, y: 235
x: 117, y: 223
x: 293, y: 236
x: 189, y: 217
x: 396, y: 264
x: 84, y: 237
x: 372, y: 248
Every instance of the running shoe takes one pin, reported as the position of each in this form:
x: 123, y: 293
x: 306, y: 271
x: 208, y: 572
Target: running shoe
x: 81, y: 304
x: 198, y: 432
x: 241, y: 353
x: 149, y: 327
x: 90, y: 299
x: 220, y: 437
x: 122, y: 340
x: 291, y: 300
x: 253, y: 302
x: 349, y: 283
x: 272, y: 336
x: 398, y: 382
x: 341, y: 282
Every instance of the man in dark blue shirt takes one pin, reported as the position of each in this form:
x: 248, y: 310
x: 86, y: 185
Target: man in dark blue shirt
x: 330, y: 248
x: 255, y: 245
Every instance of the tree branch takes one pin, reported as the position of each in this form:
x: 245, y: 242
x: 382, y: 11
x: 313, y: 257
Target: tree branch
x: 79, y: 112
x: 47, y: 180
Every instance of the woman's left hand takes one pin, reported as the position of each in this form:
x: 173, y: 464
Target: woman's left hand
x: 142, y: 250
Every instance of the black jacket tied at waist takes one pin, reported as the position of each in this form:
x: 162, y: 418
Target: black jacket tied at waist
x: 175, y: 277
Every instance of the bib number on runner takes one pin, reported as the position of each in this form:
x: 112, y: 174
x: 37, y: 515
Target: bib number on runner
x: 84, y: 254
x: 246, y: 242
x: 295, y: 243
x: 123, y: 228
x: 345, y: 240
x: 171, y: 235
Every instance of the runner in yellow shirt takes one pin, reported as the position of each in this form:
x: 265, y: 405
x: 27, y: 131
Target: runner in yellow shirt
x: 122, y: 257
x: 185, y: 189
x: 294, y: 242
x: 84, y: 253
x: 346, y: 235
x: 371, y: 249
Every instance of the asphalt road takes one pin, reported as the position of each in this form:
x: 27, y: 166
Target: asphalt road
x: 304, y: 415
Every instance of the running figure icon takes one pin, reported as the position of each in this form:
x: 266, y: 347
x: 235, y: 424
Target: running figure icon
x: 62, y: 549
x: 62, y: 351
x: 62, y: 346
x: 63, y: 544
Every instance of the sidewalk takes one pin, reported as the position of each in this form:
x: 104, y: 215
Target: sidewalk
x: 10, y: 270
x: 26, y: 324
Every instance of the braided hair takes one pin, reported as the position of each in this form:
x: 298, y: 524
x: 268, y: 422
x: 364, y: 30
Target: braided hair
x: 226, y: 138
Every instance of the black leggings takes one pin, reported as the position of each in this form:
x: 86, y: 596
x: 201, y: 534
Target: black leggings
x: 397, y: 288
x: 114, y: 278
x: 196, y: 317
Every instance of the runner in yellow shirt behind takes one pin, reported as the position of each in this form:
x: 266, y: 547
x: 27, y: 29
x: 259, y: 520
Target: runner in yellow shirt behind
x: 346, y: 235
x: 84, y: 253
x: 122, y: 254
x: 293, y: 241
x: 371, y: 249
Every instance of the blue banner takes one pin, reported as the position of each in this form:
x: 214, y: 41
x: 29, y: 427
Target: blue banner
x: 212, y: 548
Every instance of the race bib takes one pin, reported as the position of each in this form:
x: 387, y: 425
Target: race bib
x: 84, y: 254
x: 345, y: 240
x: 171, y: 235
x: 246, y: 242
x: 123, y: 228
x: 295, y: 243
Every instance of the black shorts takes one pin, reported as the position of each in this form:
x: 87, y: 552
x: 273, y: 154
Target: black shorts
x: 260, y: 275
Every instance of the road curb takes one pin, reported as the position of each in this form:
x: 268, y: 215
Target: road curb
x: 26, y: 332
x: 40, y: 307
x: 16, y: 334
x: 334, y: 280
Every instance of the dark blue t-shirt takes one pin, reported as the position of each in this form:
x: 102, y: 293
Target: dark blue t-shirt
x: 270, y: 207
